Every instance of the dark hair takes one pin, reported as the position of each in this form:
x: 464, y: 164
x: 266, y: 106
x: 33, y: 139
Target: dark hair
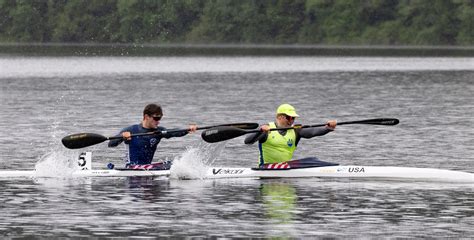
x: 152, y: 109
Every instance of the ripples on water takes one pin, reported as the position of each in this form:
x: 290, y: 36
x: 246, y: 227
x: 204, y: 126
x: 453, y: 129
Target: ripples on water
x: 44, y: 99
x: 245, y: 208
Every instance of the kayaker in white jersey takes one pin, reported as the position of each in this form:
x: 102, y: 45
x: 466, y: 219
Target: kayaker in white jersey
x: 279, y: 146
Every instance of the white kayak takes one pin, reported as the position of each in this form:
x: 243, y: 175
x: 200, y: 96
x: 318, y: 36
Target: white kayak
x: 334, y: 171
x: 353, y: 171
x: 369, y: 172
x: 84, y: 169
x: 87, y: 173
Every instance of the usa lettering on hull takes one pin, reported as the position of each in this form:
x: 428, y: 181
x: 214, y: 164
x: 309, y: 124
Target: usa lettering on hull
x: 351, y: 170
x: 356, y: 170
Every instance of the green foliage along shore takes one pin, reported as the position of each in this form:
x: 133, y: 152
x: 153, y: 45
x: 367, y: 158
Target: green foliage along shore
x: 334, y: 22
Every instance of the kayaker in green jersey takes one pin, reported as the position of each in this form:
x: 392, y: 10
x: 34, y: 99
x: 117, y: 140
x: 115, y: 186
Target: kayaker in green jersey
x: 279, y: 146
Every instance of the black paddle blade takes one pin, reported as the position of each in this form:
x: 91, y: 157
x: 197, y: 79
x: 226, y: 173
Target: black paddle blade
x: 222, y: 133
x: 382, y: 121
x: 81, y: 140
x: 375, y: 121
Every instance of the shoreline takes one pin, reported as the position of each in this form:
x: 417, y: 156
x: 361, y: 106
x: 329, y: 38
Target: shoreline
x: 149, y: 49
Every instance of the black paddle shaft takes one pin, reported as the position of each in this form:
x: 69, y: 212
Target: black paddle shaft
x: 223, y: 133
x: 81, y: 140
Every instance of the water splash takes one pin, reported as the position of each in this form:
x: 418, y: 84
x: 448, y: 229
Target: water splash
x: 195, y: 161
x: 57, y: 164
x: 56, y: 161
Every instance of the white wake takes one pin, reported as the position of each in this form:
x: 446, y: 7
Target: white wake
x: 57, y: 164
x: 195, y: 161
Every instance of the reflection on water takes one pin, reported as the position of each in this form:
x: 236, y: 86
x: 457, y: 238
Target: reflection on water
x: 58, y: 67
x: 234, y: 208
x: 279, y: 200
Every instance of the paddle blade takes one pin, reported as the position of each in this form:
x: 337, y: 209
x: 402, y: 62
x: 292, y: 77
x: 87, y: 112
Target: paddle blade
x: 81, y: 140
x: 381, y: 121
x: 222, y: 133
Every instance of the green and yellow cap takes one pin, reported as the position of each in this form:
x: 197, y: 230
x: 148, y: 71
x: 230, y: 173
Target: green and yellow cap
x: 287, y: 109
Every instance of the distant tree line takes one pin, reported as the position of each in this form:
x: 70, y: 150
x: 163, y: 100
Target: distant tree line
x: 359, y: 22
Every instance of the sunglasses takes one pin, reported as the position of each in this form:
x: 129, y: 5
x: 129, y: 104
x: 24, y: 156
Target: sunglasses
x: 289, y: 118
x: 156, y: 118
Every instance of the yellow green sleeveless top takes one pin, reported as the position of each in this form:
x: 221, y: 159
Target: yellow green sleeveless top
x: 277, y: 148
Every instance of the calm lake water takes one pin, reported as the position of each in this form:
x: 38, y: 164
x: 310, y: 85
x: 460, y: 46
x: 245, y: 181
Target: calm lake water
x: 43, y: 99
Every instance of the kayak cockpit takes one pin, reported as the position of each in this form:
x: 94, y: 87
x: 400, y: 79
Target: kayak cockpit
x: 310, y: 162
